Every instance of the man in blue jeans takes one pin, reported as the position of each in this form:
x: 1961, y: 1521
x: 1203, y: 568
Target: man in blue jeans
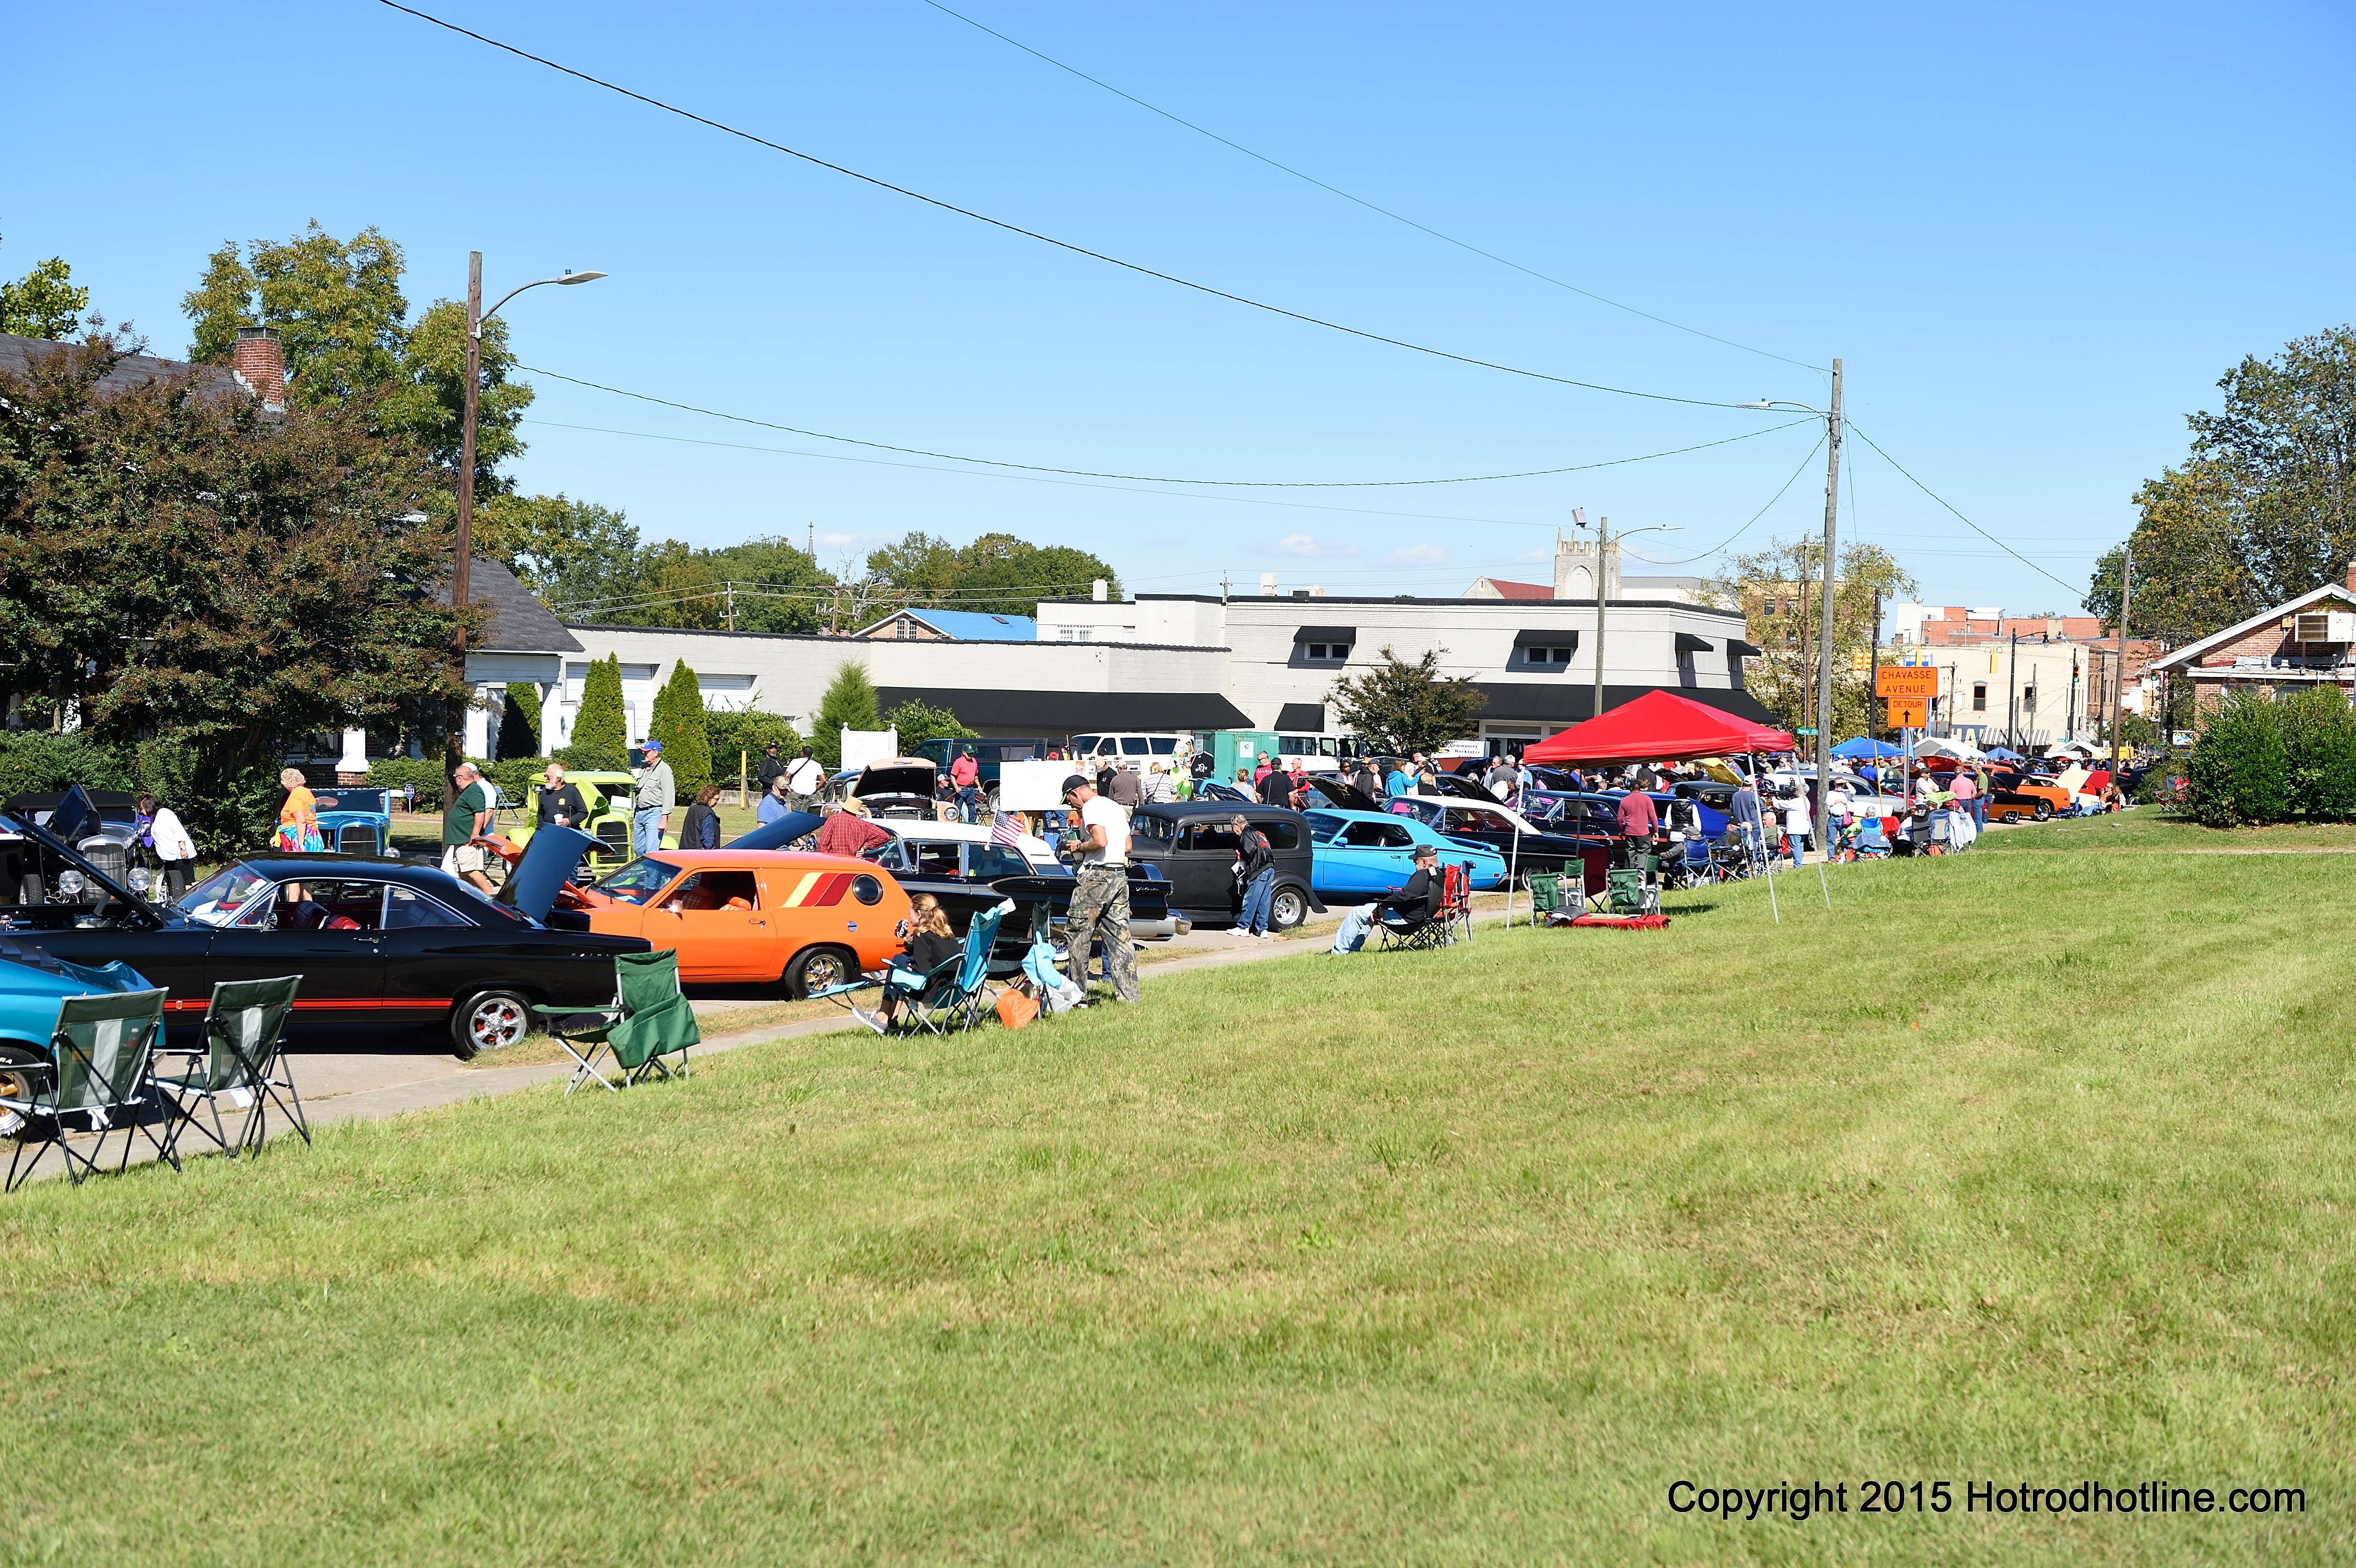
x: 651, y: 801
x: 1414, y: 904
x: 1256, y: 862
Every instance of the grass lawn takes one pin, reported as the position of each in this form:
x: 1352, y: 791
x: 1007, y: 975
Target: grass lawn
x: 2015, y: 1167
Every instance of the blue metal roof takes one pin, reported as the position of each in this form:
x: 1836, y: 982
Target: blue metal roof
x: 979, y: 627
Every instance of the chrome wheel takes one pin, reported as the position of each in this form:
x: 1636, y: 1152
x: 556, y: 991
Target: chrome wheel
x: 495, y: 1021
x: 15, y: 1084
x: 817, y: 969
x: 1287, y: 909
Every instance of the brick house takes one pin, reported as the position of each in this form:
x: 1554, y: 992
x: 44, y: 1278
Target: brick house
x: 2305, y: 641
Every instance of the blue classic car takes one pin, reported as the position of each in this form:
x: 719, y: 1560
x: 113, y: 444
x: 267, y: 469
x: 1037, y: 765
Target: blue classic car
x: 1369, y: 854
x: 357, y: 821
x: 32, y: 983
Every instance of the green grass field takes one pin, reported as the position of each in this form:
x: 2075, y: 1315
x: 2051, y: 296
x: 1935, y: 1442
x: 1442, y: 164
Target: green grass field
x: 2020, y: 1166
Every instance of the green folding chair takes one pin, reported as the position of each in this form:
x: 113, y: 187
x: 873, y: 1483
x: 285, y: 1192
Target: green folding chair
x: 651, y: 1019
x: 1630, y: 891
x: 99, y: 1053
x: 1545, y: 896
x: 242, y: 1061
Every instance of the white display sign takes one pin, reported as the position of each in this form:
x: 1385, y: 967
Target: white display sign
x: 1033, y: 787
x: 861, y: 747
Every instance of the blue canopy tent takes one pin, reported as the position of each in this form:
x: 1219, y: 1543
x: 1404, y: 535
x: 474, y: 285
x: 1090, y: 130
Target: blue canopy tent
x: 2004, y: 754
x: 1862, y: 750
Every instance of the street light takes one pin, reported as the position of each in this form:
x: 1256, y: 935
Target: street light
x: 1602, y: 591
x: 1832, y: 418
x: 461, y: 586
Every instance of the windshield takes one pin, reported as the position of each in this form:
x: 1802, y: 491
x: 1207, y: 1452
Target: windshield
x: 1322, y: 825
x: 369, y: 801
x: 221, y: 896
x: 639, y: 880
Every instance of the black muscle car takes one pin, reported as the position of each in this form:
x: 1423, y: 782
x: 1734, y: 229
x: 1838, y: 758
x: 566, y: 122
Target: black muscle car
x: 382, y: 946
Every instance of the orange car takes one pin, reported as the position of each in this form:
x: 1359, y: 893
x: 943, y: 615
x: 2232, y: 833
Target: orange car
x: 754, y: 915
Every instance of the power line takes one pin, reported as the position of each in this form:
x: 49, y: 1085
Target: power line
x: 1962, y: 519
x: 1153, y: 479
x: 1686, y: 559
x: 1359, y: 200
x: 1037, y: 479
x: 1138, y: 268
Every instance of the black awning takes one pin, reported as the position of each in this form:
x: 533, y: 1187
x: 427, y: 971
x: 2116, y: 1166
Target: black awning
x: 1564, y: 704
x: 1058, y: 713
x: 1543, y: 639
x: 1326, y: 635
x: 1301, y: 719
x: 1689, y: 644
x: 1740, y: 649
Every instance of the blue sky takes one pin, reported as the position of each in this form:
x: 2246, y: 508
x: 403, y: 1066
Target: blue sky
x: 2035, y: 235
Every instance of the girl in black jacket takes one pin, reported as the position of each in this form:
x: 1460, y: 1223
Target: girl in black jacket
x: 931, y: 943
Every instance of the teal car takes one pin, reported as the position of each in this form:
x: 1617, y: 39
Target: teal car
x: 1371, y: 853
x: 357, y: 821
x: 32, y: 984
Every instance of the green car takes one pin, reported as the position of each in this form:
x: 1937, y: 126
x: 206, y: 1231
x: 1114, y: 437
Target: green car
x: 605, y: 796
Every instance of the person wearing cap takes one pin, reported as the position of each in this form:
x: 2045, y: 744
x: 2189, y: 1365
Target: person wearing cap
x: 847, y: 831
x: 1406, y: 909
x: 772, y: 767
x: 1100, y: 903
x: 651, y: 800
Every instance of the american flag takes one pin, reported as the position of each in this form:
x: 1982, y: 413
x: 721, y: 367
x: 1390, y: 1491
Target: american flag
x: 1006, y: 829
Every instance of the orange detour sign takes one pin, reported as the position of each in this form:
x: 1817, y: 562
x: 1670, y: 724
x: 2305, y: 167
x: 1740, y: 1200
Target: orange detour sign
x: 1907, y: 713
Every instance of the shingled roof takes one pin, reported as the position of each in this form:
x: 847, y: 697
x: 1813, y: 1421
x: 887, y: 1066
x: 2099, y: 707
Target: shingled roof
x: 18, y: 356
x: 520, y: 623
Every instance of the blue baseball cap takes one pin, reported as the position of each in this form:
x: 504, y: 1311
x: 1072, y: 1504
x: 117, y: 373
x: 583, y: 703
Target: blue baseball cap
x: 651, y: 747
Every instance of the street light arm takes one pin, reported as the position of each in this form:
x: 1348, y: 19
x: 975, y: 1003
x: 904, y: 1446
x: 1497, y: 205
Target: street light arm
x: 567, y: 277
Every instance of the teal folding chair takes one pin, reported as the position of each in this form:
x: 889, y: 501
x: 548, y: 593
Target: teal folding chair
x: 952, y: 993
x: 649, y: 1021
x: 99, y: 1053
x: 242, y: 1061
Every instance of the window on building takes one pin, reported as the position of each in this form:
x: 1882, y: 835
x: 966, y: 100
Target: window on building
x: 1325, y: 653
x: 1546, y: 655
x: 2029, y: 700
x: 1980, y: 697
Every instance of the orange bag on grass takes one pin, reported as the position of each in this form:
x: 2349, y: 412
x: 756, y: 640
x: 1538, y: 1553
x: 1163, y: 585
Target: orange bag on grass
x: 1016, y: 1009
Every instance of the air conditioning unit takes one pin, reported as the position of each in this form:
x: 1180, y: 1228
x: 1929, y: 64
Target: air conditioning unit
x: 2324, y: 626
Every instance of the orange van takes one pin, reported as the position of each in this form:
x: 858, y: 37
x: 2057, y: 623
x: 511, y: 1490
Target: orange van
x: 755, y: 916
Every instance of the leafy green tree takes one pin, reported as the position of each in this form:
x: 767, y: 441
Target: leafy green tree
x: 1002, y: 575
x: 2265, y: 507
x: 519, y: 722
x: 848, y: 704
x: 917, y: 566
x: 778, y: 584
x: 289, y: 607
x: 575, y: 555
x: 1780, y: 592
x: 917, y: 721
x: 44, y: 303
x: 344, y: 324
x: 601, y: 739
x: 2240, y: 770
x: 1400, y: 708
x: 2189, y: 579
x: 678, y: 723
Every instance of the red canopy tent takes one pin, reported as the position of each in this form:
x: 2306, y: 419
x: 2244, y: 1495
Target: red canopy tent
x: 1659, y: 726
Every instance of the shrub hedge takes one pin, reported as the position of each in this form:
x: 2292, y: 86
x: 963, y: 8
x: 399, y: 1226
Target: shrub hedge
x: 2267, y: 760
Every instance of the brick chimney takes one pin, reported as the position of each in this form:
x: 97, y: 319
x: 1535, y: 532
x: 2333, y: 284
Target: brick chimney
x: 260, y: 366
x: 2351, y: 575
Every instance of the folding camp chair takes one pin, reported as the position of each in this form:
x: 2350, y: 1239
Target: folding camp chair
x: 1545, y: 896
x: 1630, y: 889
x: 243, y: 1061
x: 1450, y: 921
x: 955, y: 992
x: 648, y: 1020
x: 99, y: 1058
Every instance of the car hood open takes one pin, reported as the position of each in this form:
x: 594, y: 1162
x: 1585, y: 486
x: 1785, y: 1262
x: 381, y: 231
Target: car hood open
x: 548, y: 863
x: 776, y: 835
x: 25, y: 826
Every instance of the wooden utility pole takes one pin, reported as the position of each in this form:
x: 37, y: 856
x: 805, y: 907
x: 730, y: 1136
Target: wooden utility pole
x: 1824, y: 653
x: 1873, y: 665
x: 2119, y: 675
x: 461, y: 588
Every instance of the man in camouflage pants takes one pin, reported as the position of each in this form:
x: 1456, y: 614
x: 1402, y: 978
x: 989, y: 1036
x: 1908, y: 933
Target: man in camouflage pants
x: 1100, y: 903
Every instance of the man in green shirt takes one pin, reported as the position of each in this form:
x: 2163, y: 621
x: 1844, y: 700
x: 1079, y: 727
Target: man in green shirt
x: 467, y: 819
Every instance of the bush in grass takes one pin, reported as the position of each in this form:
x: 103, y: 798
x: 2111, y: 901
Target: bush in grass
x: 848, y: 704
x: 738, y: 739
x: 600, y: 743
x: 2318, y: 731
x: 2241, y: 770
x: 678, y: 723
